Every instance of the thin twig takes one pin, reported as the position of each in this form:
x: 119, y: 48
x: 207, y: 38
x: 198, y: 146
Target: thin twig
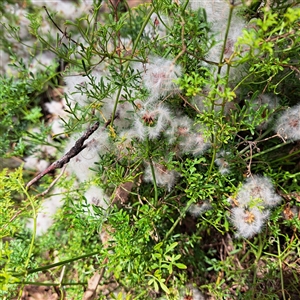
x: 63, y: 33
x: 14, y: 216
x: 52, y: 183
x: 93, y: 283
x: 76, y: 149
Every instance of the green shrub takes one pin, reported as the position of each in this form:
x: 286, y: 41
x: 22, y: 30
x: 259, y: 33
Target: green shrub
x: 178, y: 137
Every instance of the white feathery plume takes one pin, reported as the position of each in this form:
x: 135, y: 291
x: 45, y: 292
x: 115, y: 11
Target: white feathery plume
x: 195, y: 142
x: 179, y: 128
x: 258, y: 191
x: 288, y: 124
x: 158, y: 77
x: 197, y: 209
x: 163, y: 176
x: 96, y: 196
x: 151, y: 121
x: 222, y: 163
x: 248, y: 222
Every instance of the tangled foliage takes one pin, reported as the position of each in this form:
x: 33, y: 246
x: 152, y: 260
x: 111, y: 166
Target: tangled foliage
x: 176, y: 126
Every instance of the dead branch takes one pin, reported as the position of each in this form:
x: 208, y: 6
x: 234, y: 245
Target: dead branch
x: 91, y: 292
x: 52, y: 183
x: 76, y: 149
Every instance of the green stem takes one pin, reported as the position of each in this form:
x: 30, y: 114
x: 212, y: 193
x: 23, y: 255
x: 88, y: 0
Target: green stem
x: 30, y: 250
x: 182, y: 215
x: 43, y: 268
x: 266, y: 151
x: 185, y: 5
x: 153, y: 173
x: 256, y: 141
x: 127, y: 63
x: 287, y: 156
x: 212, y: 162
x: 242, y: 81
x: 226, y: 37
x: 280, y: 269
x: 97, y: 7
x: 219, y: 72
x: 222, y: 54
x: 257, y: 258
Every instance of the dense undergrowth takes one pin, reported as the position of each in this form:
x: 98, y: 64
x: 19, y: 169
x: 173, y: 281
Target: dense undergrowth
x: 168, y: 134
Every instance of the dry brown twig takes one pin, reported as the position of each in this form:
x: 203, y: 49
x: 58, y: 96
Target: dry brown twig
x: 52, y: 183
x: 91, y: 292
x: 76, y: 149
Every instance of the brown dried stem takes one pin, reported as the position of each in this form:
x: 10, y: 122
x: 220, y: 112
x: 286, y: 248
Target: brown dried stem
x: 76, y: 149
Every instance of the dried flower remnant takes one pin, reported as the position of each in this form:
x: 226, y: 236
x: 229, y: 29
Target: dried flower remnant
x: 248, y: 222
x: 159, y: 76
x: 258, y: 190
x: 288, y: 124
x: 163, y: 176
x: 291, y: 212
x: 253, y: 201
x: 222, y: 163
x: 151, y: 121
x: 197, y: 209
x: 148, y: 119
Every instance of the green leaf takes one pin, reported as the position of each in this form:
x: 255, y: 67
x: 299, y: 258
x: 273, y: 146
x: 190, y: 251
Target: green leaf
x: 34, y: 114
x: 164, y: 287
x: 158, y: 246
x: 180, y: 266
x: 171, y: 247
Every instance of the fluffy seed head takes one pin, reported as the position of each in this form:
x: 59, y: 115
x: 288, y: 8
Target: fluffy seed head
x: 194, y: 142
x: 163, y: 176
x: 151, y: 121
x: 96, y: 196
x: 179, y: 129
x: 222, y: 163
x: 258, y: 191
x: 197, y: 209
x: 288, y: 125
x: 248, y: 222
x: 159, y: 76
